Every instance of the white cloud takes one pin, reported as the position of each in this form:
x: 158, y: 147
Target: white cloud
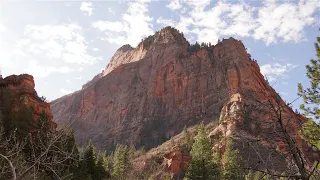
x: 272, y: 22
x: 40, y: 72
x: 175, y: 5
x: 65, y: 42
x: 166, y: 22
x: 44, y: 50
x: 87, y: 8
x: 107, y: 25
x: 78, y: 78
x: 112, y: 11
x: 2, y: 28
x: 135, y: 25
x: 284, y: 22
x: 198, y: 5
x: 65, y: 91
x: 182, y: 25
x: 276, y: 70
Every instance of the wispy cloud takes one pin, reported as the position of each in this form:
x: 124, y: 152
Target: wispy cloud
x: 41, y: 71
x: 276, y: 70
x: 112, y: 11
x: 272, y: 22
x: 2, y: 28
x: 284, y: 21
x: 87, y: 8
x: 95, y: 49
x: 43, y: 50
x: 65, y: 42
x: 134, y: 25
x: 78, y: 78
x: 175, y: 4
x: 167, y: 22
x: 65, y: 91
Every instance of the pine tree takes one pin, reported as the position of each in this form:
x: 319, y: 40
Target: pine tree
x: 202, y: 166
x: 231, y: 161
x: 311, y: 98
x: 311, y: 133
x: 100, y: 169
x: 121, y: 162
x: 80, y: 171
x: 188, y: 138
x: 90, y: 159
x: 311, y: 95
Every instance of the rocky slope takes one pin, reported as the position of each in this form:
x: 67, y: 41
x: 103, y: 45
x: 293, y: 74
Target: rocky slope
x: 254, y: 135
x: 148, y: 93
x: 21, y: 89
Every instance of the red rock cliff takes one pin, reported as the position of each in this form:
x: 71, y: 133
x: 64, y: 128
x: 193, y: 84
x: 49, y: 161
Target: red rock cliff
x: 22, y: 88
x: 148, y: 93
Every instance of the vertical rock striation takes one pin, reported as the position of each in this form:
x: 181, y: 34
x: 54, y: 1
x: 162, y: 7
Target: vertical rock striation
x: 149, y: 93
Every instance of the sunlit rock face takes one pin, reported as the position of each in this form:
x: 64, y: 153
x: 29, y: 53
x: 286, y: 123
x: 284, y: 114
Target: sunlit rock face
x: 177, y: 161
x: 147, y: 94
x: 21, y: 88
x: 253, y: 122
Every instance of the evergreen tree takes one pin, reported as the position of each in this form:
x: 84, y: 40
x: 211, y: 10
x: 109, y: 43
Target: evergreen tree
x: 188, y: 138
x: 311, y: 133
x: 80, y: 171
x: 202, y: 166
x: 311, y: 95
x: 90, y: 159
x: 109, y: 163
x: 231, y: 161
x: 100, y: 170
x: 121, y: 162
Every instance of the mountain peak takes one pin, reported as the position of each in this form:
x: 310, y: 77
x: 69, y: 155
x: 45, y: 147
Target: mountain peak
x: 126, y: 47
x: 150, y: 79
x: 171, y: 37
x: 165, y: 35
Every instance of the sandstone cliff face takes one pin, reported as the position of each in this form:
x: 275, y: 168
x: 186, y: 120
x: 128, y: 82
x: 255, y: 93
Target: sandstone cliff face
x: 254, y: 137
x: 148, y: 93
x: 177, y: 161
x: 254, y: 123
x: 21, y: 88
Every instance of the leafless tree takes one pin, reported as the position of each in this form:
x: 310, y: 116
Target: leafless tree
x: 281, y: 131
x: 50, y: 154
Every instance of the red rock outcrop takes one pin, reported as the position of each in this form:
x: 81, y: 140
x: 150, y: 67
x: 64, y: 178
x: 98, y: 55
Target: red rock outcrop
x: 177, y: 161
x: 22, y: 89
x: 254, y: 124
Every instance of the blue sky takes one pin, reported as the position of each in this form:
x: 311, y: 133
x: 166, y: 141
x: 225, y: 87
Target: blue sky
x: 63, y: 44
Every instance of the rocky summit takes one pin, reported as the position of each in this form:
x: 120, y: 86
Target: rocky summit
x: 147, y: 94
